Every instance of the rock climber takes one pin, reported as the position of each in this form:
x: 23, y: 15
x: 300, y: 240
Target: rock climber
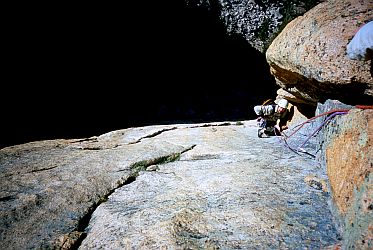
x: 272, y: 118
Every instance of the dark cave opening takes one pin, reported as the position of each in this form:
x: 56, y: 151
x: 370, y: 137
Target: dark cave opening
x: 89, y: 71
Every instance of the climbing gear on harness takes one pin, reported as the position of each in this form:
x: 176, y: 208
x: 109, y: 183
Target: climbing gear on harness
x: 262, y: 133
x: 261, y: 122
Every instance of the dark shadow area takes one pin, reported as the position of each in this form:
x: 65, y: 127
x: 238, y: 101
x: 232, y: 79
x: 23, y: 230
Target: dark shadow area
x: 80, y: 71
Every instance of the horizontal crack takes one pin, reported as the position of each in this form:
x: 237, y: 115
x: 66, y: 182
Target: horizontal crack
x: 7, y: 198
x: 97, y: 144
x: 212, y: 125
x: 85, y: 139
x: 29, y: 172
x: 42, y: 169
x: 152, y: 135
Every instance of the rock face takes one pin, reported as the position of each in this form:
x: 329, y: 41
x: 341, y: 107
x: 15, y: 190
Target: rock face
x: 348, y: 157
x: 259, y: 21
x: 308, y: 58
x: 196, y: 186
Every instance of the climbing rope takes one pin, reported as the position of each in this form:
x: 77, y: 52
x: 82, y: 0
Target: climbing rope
x: 299, y: 126
x: 327, y: 120
x: 331, y: 114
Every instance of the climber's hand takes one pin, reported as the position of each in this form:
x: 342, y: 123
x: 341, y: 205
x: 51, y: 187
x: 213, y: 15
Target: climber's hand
x: 284, y: 128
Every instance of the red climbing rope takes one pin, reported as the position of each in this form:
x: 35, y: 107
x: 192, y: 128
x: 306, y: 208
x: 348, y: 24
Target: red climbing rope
x: 364, y: 106
x: 330, y: 114
x: 313, y: 118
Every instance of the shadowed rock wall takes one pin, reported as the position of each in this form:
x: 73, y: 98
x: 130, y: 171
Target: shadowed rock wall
x: 258, y: 21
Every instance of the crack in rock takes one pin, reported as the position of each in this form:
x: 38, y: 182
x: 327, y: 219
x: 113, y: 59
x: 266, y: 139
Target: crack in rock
x: 152, y: 135
x: 95, y: 143
x: 29, y: 172
x: 135, y: 169
x: 215, y: 125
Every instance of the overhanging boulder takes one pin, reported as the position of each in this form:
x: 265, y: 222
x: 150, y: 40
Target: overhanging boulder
x: 308, y: 58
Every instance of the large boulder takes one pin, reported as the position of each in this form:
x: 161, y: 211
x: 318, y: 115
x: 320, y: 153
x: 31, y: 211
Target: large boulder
x: 345, y: 152
x: 308, y: 58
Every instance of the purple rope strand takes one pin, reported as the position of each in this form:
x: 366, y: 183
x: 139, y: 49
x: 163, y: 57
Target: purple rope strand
x: 319, y: 128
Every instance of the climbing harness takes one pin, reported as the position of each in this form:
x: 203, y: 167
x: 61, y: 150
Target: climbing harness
x: 269, y: 114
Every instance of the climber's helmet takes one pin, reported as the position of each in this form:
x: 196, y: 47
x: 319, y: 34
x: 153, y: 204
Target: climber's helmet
x: 283, y: 104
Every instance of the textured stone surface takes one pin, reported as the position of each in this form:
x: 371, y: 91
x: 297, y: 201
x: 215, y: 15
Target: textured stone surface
x: 48, y: 187
x: 206, y: 185
x: 348, y: 158
x: 232, y: 190
x: 308, y: 58
x: 259, y: 21
x: 281, y: 93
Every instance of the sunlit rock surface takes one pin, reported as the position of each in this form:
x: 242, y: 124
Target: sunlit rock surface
x: 213, y: 185
x: 308, y: 58
x: 348, y: 157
